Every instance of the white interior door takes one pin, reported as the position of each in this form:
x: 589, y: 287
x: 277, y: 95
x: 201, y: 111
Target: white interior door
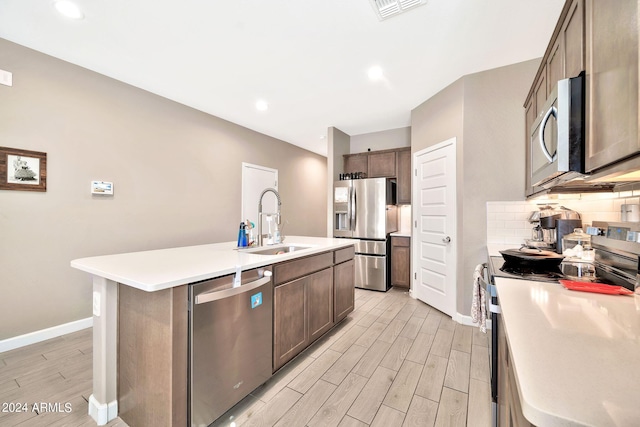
x: 255, y: 179
x: 434, y: 213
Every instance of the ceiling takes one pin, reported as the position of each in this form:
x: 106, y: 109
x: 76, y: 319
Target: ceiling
x: 307, y: 59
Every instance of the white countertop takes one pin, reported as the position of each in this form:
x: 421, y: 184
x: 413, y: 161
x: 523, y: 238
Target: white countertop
x: 401, y: 234
x: 576, y: 354
x: 165, y: 268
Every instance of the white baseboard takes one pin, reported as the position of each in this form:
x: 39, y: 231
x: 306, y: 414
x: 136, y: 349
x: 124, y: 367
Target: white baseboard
x: 466, y: 320
x: 45, y: 334
x: 102, y: 413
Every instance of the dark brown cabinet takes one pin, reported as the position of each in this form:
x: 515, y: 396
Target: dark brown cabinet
x: 319, y: 299
x: 401, y: 261
x: 403, y: 172
x: 344, y: 290
x: 302, y: 304
x: 289, y: 328
x: 310, y: 295
x: 394, y: 163
x: 302, y: 313
x: 382, y: 165
x: 530, y: 116
x: 354, y: 163
x: 573, y: 37
x: 564, y: 57
x: 509, y: 404
x: 612, y: 82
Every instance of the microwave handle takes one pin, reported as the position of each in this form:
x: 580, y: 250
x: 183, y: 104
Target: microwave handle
x: 551, y: 112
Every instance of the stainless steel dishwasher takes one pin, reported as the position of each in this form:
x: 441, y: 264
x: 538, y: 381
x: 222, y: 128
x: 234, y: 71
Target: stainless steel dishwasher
x: 230, y: 342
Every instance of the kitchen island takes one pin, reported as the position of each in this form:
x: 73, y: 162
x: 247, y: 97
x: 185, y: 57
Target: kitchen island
x: 574, y: 355
x: 163, y: 276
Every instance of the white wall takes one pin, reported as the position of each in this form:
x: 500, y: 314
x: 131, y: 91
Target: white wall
x: 383, y: 140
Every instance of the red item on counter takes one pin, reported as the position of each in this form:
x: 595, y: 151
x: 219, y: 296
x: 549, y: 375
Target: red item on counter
x: 600, y: 288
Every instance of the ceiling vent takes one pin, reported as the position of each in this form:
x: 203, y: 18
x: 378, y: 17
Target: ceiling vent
x: 387, y: 8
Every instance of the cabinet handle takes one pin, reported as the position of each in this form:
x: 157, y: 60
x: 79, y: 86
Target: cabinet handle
x: 446, y: 239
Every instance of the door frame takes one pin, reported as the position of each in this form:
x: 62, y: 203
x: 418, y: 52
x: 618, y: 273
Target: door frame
x: 245, y: 168
x: 415, y: 241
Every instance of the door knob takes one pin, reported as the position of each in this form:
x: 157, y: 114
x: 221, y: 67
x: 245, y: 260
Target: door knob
x: 446, y: 239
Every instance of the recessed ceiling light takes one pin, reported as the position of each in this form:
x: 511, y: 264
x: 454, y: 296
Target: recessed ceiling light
x: 375, y: 73
x: 262, y: 105
x: 68, y: 9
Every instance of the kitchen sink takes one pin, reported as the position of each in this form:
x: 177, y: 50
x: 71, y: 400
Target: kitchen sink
x: 278, y: 250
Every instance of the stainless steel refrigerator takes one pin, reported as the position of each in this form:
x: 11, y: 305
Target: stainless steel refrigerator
x: 364, y: 209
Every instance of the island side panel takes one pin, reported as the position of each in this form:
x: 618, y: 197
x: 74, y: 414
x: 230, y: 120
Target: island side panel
x: 103, y: 403
x: 152, y: 356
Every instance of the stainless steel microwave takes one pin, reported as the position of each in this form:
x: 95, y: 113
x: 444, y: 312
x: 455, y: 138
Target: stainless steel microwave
x: 558, y: 137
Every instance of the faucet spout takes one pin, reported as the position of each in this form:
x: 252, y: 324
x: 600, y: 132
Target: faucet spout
x: 267, y: 190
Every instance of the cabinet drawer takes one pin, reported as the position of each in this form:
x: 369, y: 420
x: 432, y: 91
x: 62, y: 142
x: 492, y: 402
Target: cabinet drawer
x: 291, y: 270
x: 342, y: 255
x: 401, y: 241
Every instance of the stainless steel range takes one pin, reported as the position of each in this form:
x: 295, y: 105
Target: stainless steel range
x: 617, y: 255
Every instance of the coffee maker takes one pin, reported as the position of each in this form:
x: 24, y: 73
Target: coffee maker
x: 555, y: 222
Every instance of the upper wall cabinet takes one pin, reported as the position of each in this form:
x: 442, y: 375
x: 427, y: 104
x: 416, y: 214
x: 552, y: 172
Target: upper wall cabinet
x: 403, y: 159
x: 395, y: 163
x: 564, y: 57
x: 354, y: 163
x: 612, y: 82
x: 382, y: 164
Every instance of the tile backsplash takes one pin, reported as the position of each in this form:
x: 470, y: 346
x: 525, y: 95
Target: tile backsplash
x: 507, y: 222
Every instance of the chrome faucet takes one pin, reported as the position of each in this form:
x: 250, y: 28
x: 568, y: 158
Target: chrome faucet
x: 260, y: 240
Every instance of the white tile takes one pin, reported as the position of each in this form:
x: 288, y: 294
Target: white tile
x: 495, y: 207
x: 505, y: 216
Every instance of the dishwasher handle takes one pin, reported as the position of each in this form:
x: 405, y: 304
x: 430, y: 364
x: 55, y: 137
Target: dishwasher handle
x: 218, y: 295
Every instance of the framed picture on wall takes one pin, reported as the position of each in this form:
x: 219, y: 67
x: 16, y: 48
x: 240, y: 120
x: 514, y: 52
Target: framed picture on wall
x: 23, y: 170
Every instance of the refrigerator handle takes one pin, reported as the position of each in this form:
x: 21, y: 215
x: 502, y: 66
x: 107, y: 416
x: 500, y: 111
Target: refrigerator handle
x: 352, y: 209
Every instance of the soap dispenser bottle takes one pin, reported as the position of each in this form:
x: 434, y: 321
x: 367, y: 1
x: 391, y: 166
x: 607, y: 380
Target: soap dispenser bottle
x: 242, y: 236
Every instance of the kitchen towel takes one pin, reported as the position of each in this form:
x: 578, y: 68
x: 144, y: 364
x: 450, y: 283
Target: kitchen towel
x: 479, y: 304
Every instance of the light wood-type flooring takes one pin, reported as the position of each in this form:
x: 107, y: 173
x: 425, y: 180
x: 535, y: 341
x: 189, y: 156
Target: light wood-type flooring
x: 394, y: 361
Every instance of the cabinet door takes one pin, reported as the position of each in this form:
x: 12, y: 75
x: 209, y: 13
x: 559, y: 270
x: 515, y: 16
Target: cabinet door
x: 612, y: 81
x: 343, y: 289
x: 541, y: 92
x: 403, y: 177
x: 503, y: 383
x: 400, y: 262
x: 319, y: 303
x: 516, y: 417
x: 289, y: 321
x: 555, y: 64
x: 530, y: 117
x: 382, y: 165
x: 356, y: 163
x: 573, y: 34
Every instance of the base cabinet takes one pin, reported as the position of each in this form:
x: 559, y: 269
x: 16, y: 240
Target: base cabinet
x: 289, y: 321
x: 509, y: 405
x: 310, y: 295
x: 344, y: 289
x: 401, y: 262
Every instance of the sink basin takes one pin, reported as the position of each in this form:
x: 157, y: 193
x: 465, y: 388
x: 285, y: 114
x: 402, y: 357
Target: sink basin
x: 278, y: 250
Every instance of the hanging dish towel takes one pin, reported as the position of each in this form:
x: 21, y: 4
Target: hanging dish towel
x: 479, y: 304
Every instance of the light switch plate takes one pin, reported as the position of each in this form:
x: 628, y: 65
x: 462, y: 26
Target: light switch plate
x: 6, y: 78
